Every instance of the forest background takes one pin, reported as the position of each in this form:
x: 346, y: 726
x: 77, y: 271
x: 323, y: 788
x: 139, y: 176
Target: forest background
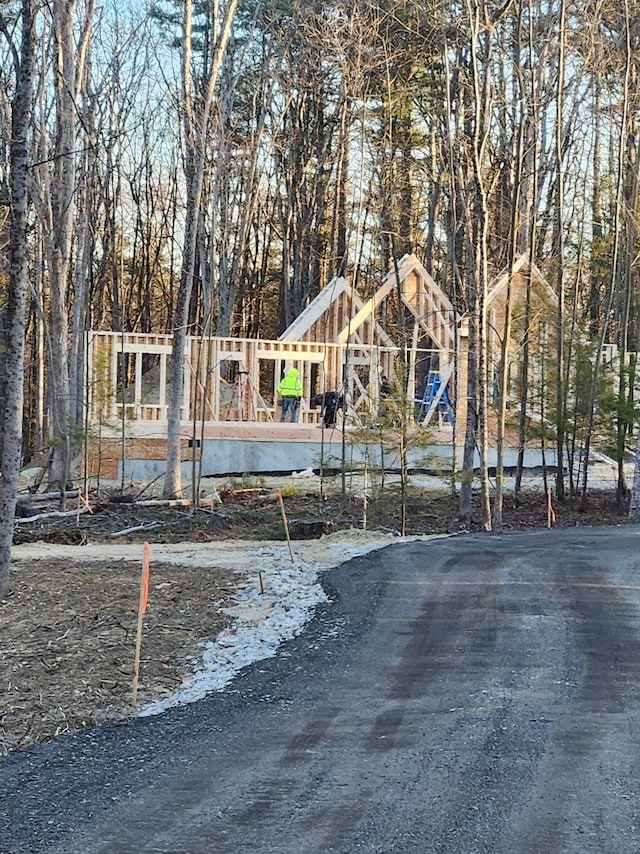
x: 207, y: 167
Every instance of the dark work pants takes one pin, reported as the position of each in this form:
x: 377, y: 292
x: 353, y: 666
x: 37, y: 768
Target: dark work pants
x: 289, y: 404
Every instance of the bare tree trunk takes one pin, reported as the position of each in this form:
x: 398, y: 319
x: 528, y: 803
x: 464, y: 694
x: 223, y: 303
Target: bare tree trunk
x: 15, y: 315
x: 506, y: 335
x: 58, y: 241
x: 471, y: 426
x: 618, y: 215
x: 626, y: 378
x: 80, y: 303
x: 196, y: 108
x: 561, y: 390
x: 339, y: 256
x: 69, y: 62
x: 481, y: 79
x: 531, y: 201
x: 634, y: 505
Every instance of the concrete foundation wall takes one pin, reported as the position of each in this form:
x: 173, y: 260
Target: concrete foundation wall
x: 233, y: 457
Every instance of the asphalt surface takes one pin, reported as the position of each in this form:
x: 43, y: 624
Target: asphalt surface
x: 473, y: 694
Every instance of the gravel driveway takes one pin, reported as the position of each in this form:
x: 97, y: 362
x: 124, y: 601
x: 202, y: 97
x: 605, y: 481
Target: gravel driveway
x: 473, y: 694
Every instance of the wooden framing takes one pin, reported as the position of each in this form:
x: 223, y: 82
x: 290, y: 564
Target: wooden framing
x: 340, y: 341
x: 525, y: 285
x: 226, y: 379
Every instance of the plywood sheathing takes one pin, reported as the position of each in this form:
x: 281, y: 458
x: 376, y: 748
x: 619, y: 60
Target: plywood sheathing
x: 104, y: 456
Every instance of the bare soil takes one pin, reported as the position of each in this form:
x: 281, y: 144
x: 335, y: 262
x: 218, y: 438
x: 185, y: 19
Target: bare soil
x: 68, y: 626
x: 254, y: 513
x: 69, y: 630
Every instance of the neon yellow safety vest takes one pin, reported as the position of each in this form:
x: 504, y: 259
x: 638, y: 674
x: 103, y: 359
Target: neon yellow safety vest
x: 290, y: 385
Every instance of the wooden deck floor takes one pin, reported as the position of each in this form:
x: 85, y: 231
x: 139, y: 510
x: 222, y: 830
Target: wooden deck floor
x: 258, y: 431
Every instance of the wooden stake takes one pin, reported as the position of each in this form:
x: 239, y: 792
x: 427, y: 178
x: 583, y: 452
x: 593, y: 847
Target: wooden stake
x: 364, y: 493
x: 551, y: 516
x: 142, y: 607
x: 82, y: 501
x: 286, y: 524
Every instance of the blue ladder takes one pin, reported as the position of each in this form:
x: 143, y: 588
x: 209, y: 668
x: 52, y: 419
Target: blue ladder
x: 431, y: 390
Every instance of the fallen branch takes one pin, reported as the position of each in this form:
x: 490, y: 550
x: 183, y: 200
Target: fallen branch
x: 52, y: 514
x: 165, y: 502
x: 136, y: 528
x: 151, y: 482
x: 46, y: 496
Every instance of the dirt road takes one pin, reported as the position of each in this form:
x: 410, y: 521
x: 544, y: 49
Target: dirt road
x: 474, y: 694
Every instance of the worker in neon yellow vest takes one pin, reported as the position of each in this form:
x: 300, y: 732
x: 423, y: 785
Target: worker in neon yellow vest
x: 290, y: 390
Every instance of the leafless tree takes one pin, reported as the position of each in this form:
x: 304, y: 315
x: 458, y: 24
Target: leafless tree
x: 197, y: 100
x: 14, y: 316
x: 55, y: 187
x: 506, y: 331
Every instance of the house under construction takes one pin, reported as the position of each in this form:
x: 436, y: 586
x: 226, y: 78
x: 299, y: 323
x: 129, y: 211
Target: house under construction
x: 230, y: 414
